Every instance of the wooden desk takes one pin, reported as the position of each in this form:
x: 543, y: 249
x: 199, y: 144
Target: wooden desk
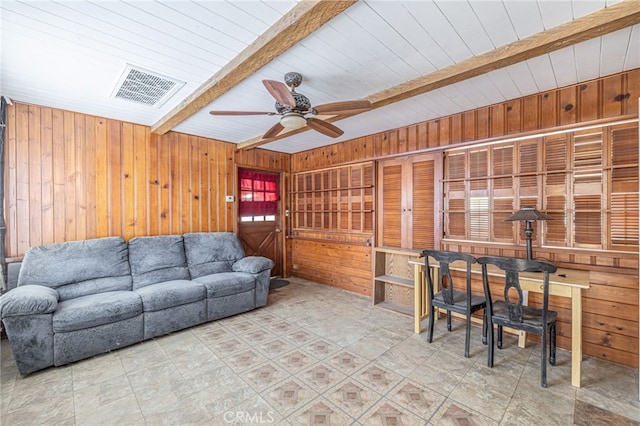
x: 570, y: 286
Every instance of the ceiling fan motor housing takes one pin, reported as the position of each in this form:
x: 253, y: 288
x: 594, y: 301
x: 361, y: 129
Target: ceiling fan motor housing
x: 303, y: 104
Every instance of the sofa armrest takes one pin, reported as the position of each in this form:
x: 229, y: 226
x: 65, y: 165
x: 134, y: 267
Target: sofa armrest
x: 28, y: 300
x: 253, y: 264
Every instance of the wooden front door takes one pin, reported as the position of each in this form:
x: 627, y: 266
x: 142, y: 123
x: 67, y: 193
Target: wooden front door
x: 259, y: 219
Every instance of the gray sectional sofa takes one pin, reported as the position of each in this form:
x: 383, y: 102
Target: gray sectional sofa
x: 77, y: 299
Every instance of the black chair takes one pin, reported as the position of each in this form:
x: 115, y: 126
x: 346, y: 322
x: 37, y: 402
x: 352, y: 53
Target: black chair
x: 511, y: 313
x: 448, y: 297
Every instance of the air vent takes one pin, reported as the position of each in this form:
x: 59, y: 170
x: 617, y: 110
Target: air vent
x: 145, y: 87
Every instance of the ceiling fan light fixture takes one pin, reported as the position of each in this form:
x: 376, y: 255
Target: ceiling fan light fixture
x: 293, y: 121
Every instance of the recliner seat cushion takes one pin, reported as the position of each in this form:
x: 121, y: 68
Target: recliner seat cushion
x: 156, y: 297
x: 227, y: 283
x: 157, y: 259
x: 96, y: 309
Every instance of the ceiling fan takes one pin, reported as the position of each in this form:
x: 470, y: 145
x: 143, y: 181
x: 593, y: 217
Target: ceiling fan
x: 296, y: 110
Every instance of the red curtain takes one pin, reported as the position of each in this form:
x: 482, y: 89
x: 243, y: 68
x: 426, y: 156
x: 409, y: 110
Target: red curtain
x: 258, y: 193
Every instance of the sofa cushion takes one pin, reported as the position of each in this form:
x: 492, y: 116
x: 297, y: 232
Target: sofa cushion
x: 156, y: 297
x: 211, y: 252
x: 96, y: 309
x: 227, y: 283
x: 157, y: 259
x: 78, y: 268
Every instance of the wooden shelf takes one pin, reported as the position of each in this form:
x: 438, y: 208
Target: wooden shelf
x: 395, y: 280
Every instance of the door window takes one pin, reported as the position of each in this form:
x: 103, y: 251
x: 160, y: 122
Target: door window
x: 258, y: 196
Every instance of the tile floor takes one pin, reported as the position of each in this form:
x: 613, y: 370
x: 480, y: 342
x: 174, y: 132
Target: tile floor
x: 317, y: 355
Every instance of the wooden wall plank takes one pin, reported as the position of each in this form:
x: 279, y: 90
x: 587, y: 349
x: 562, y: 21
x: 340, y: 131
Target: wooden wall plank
x: 80, y: 193
x: 153, y: 182
x: 70, y: 177
x: 101, y: 177
x: 35, y: 176
x: 11, y: 184
x: 59, y: 178
x: 91, y: 128
x: 46, y: 152
x: 115, y: 147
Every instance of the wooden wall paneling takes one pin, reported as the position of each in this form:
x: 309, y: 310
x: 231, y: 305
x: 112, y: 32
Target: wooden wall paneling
x: 632, y: 83
x: 141, y: 175
x: 46, y: 151
x: 102, y: 212
x: 369, y: 147
x: 514, y: 116
x: 455, y: 129
x: 433, y: 134
x: 444, y: 131
x: 213, y: 217
x: 194, y: 184
x: 128, y: 182
x: 90, y: 182
x: 497, y: 125
x: 613, y: 96
x: 153, y: 182
x: 588, y: 101
x: 22, y: 174
x: 530, y: 113
x: 34, y: 180
x: 469, y: 126
x: 341, y: 265
x: 229, y: 185
x: 483, y: 122
x: 11, y: 220
x: 568, y: 110
x: 184, y: 162
x: 115, y: 182
x: 402, y: 139
x: 80, y: 176
x: 422, y: 135
x: 548, y: 109
x: 392, y: 141
x: 70, y: 177
x: 411, y: 138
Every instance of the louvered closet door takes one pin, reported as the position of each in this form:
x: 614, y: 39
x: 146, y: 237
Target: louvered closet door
x: 409, y: 202
x: 425, y: 202
x: 390, y: 203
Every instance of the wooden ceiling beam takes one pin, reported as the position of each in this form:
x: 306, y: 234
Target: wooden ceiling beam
x: 305, y: 18
x: 608, y: 20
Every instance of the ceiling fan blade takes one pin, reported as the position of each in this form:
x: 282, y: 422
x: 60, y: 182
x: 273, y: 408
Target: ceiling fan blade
x: 273, y: 131
x: 241, y: 113
x: 280, y: 92
x: 324, y: 127
x: 346, y: 107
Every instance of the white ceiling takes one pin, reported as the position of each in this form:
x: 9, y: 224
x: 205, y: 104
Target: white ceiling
x: 71, y: 54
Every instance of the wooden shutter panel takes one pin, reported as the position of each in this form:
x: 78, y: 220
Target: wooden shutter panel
x: 423, y: 212
x: 502, y: 165
x: 478, y: 168
x: 391, y: 184
x: 502, y: 208
x: 624, y: 200
x: 556, y: 189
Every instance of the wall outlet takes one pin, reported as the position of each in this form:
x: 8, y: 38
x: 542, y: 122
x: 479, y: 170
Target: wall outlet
x: 230, y: 198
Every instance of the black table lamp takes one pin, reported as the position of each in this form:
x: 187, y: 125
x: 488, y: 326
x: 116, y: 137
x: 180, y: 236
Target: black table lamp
x: 528, y: 214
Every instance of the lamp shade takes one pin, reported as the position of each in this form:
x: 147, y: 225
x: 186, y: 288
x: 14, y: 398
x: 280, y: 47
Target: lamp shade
x: 293, y: 121
x: 528, y: 213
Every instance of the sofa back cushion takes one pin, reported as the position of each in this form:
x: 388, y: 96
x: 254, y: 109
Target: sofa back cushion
x: 78, y: 268
x: 157, y: 259
x: 211, y: 252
